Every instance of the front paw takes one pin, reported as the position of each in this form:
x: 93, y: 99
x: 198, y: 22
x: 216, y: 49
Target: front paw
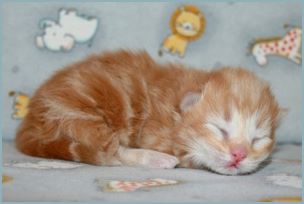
x: 159, y: 160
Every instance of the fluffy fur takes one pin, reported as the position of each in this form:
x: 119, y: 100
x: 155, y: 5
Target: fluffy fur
x: 123, y: 108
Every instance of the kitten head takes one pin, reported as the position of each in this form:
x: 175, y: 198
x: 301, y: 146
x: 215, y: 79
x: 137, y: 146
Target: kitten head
x: 230, y: 126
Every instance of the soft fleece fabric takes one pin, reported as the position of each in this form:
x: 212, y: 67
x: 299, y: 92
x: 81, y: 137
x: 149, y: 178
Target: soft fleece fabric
x: 81, y: 182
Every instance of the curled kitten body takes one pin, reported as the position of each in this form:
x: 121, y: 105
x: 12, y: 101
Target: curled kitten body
x: 122, y: 108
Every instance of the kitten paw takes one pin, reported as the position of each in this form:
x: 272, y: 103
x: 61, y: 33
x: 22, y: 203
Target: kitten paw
x: 153, y: 159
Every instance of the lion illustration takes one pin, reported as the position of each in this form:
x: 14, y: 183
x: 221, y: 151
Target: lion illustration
x: 187, y: 24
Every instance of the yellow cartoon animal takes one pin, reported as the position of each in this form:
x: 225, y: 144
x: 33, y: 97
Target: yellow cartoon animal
x: 20, y: 104
x: 6, y: 179
x: 187, y: 24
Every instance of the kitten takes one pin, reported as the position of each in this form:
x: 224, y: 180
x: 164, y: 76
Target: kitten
x: 122, y: 108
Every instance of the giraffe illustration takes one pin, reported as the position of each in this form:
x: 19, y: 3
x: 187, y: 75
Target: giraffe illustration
x: 288, y: 46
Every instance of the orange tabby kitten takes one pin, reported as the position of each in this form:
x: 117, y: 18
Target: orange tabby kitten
x: 123, y: 108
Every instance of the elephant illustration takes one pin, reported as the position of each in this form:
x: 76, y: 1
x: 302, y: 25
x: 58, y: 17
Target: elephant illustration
x: 71, y: 28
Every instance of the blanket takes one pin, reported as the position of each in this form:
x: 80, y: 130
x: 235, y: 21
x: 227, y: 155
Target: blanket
x: 35, y: 179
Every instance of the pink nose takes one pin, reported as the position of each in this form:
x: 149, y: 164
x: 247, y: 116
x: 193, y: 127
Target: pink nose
x: 239, y: 153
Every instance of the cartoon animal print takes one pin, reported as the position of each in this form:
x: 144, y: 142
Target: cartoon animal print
x: 187, y: 24
x: 70, y: 28
x: 288, y: 46
x: 283, y: 179
x: 128, y: 186
x: 20, y: 105
x: 282, y: 199
x: 6, y: 179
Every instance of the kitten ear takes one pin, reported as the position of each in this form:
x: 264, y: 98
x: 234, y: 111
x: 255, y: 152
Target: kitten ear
x: 190, y: 99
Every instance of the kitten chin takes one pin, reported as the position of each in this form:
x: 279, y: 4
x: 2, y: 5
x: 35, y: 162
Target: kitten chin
x: 123, y: 108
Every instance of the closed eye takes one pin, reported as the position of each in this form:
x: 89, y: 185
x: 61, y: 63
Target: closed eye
x: 256, y: 139
x: 261, y: 142
x: 224, y: 133
x: 218, y: 131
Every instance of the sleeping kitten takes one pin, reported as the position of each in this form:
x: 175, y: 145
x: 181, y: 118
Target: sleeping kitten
x: 123, y: 108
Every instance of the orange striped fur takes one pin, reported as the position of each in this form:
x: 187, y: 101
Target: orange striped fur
x: 119, y: 108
